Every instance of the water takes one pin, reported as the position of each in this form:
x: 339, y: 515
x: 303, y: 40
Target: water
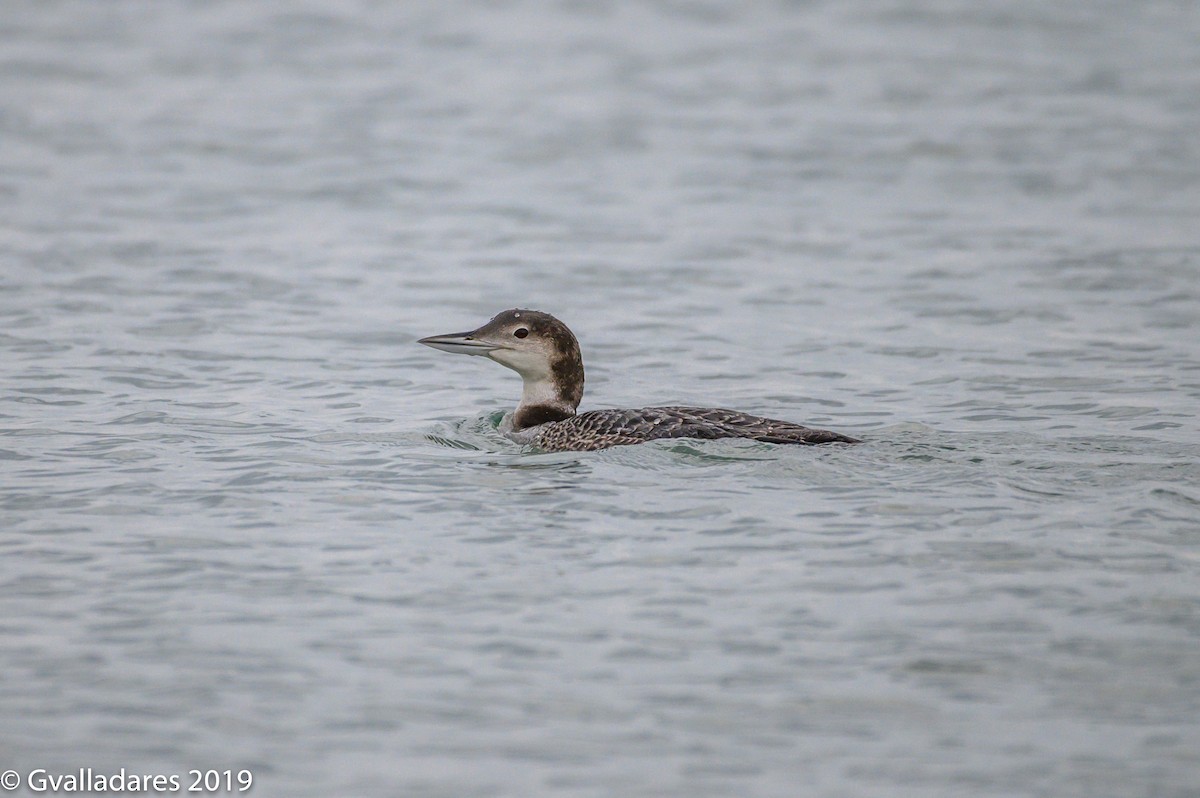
x: 248, y: 523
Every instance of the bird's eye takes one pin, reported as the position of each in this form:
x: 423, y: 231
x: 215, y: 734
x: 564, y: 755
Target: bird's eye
x: 521, y: 332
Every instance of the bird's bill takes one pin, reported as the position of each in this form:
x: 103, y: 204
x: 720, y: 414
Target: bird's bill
x: 459, y: 343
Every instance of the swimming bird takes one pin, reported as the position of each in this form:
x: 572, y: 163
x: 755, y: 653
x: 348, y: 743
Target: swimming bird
x: 546, y: 354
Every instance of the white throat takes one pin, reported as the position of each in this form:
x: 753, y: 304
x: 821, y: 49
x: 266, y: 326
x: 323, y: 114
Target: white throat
x: 540, y: 390
x: 540, y: 387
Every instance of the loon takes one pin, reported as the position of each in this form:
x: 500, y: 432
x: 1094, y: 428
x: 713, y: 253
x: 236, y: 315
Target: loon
x: 546, y: 354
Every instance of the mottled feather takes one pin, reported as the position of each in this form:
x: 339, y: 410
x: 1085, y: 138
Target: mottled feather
x: 600, y: 429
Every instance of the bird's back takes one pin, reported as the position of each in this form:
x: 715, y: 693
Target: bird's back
x: 600, y: 429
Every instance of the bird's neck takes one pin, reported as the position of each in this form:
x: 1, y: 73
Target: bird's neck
x: 542, y: 400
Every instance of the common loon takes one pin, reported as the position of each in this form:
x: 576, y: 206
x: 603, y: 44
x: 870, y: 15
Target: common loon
x: 545, y: 353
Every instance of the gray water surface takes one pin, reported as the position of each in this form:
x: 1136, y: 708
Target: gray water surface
x: 248, y: 523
